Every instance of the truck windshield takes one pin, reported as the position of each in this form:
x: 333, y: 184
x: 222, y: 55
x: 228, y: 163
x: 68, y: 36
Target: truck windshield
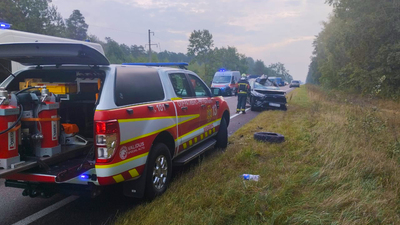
x: 222, y: 79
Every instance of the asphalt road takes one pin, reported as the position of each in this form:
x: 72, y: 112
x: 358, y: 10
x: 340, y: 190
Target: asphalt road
x: 60, y: 210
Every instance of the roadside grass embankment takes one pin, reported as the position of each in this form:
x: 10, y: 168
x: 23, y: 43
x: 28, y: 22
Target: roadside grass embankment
x: 339, y: 165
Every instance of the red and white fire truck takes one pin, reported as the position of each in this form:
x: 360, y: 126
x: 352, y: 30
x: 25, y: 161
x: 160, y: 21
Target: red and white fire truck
x: 71, y: 122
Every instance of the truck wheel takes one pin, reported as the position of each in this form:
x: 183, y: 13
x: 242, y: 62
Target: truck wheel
x: 222, y: 136
x: 269, y: 137
x: 159, y: 170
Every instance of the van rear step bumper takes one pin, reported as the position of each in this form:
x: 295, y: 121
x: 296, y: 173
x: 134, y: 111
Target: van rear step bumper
x: 193, y: 153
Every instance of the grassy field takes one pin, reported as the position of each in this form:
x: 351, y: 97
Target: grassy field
x: 339, y: 165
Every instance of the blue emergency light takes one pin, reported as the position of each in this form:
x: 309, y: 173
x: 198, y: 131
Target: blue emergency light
x: 222, y: 70
x: 180, y: 65
x: 4, y: 25
x: 84, y: 176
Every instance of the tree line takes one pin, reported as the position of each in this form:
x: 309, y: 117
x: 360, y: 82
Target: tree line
x: 358, y: 49
x: 208, y: 59
x: 39, y: 16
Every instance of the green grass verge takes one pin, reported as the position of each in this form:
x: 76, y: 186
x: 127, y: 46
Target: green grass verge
x: 339, y: 165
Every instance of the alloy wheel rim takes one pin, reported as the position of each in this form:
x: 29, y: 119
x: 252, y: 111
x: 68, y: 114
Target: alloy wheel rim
x: 160, y: 172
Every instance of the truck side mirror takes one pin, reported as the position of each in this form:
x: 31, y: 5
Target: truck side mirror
x: 216, y: 91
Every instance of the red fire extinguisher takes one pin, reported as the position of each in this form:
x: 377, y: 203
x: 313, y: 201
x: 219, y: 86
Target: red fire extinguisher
x: 47, y: 124
x: 9, y: 126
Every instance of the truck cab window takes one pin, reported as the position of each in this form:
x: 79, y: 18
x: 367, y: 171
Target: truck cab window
x: 130, y: 87
x: 180, y: 85
x: 199, y: 88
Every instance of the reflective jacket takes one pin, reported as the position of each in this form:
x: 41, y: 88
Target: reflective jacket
x: 243, y: 86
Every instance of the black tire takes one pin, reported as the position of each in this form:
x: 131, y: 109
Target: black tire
x: 269, y: 137
x: 222, y: 136
x: 159, y: 155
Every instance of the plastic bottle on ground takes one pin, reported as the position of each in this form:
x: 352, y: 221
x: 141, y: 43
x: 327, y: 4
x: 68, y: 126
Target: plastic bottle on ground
x: 251, y: 177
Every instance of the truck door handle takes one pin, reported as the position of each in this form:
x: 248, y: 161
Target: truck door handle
x: 217, y: 103
x: 166, y: 105
x: 184, y: 108
x: 202, y: 106
x: 150, y: 107
x: 129, y: 111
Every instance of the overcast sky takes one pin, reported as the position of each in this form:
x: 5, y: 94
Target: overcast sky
x: 270, y: 30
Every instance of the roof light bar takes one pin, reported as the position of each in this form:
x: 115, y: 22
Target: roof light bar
x: 180, y: 65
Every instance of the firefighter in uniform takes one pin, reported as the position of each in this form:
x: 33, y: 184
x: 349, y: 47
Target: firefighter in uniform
x: 243, y: 89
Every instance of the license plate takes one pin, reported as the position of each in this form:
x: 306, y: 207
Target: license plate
x: 274, y: 105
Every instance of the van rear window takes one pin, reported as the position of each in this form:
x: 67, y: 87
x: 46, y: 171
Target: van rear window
x: 137, y: 85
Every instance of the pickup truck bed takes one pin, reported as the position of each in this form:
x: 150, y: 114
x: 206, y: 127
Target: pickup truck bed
x: 67, y: 152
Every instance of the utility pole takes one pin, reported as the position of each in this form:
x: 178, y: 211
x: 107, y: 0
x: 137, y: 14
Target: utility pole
x: 150, y: 45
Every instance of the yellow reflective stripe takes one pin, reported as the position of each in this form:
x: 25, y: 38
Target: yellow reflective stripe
x: 148, y: 118
x: 119, y: 178
x: 120, y: 163
x: 133, y: 173
x: 146, y: 135
x: 199, y: 128
x: 157, y: 131
x: 130, y: 106
x: 176, y: 98
x: 184, y: 145
x: 158, y: 118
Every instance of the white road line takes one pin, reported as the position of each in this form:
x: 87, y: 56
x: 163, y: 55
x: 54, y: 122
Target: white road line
x: 238, y: 114
x: 46, y: 211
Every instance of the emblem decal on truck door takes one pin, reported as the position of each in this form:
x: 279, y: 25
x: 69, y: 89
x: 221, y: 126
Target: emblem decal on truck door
x: 123, y: 153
